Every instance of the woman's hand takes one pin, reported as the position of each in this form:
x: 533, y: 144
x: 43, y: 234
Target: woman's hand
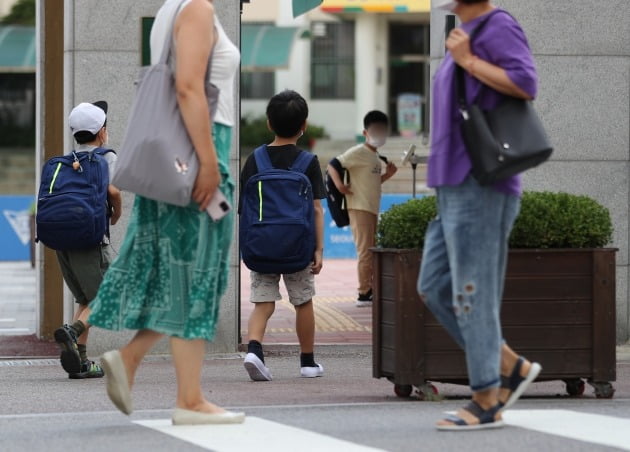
x: 206, y: 183
x: 458, y: 43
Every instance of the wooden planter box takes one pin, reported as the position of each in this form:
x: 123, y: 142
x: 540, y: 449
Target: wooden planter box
x: 558, y: 309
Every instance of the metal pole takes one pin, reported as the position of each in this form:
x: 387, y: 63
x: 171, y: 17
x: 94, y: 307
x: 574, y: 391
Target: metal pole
x: 414, y: 166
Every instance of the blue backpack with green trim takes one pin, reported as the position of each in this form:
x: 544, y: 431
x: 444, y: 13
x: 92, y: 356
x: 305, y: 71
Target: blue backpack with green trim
x: 72, y: 209
x: 277, y: 224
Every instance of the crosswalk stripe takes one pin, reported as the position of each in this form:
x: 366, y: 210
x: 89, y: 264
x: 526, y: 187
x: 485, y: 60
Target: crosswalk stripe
x: 254, y: 434
x: 592, y: 428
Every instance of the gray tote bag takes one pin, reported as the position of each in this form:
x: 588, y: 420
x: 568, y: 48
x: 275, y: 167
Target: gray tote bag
x: 157, y: 158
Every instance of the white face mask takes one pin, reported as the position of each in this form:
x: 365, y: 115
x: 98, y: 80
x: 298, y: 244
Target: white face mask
x: 444, y: 5
x: 376, y: 142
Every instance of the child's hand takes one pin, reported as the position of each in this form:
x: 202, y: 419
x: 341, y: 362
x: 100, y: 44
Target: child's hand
x: 391, y: 169
x: 115, y: 215
x: 345, y: 189
x: 318, y: 262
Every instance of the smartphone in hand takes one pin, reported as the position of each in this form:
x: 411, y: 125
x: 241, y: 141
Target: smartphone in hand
x: 219, y: 206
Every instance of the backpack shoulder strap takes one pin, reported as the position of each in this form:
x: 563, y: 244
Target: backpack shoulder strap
x: 103, y: 151
x: 263, y: 161
x: 302, y: 162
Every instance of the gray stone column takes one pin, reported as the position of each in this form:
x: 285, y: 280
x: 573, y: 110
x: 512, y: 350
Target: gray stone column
x: 102, y: 60
x: 583, y: 57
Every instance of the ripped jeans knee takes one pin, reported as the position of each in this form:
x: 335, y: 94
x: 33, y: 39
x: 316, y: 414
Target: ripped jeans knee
x: 462, y: 304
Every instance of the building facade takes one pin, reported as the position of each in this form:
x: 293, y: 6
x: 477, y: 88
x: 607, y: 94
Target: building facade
x: 583, y: 60
x: 347, y: 57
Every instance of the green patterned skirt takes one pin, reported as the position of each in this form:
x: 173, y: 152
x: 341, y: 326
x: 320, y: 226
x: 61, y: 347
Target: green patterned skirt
x: 173, y: 265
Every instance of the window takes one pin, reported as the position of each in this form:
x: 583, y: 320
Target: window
x: 332, y: 60
x: 409, y: 72
x: 258, y: 85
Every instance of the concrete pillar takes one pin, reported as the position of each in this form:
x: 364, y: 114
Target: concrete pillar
x: 371, y: 65
x: 299, y: 77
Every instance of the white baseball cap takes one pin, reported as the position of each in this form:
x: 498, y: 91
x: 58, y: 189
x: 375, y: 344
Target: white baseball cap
x: 87, y: 117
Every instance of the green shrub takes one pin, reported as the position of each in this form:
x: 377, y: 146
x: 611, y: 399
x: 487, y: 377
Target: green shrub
x: 546, y: 220
x: 254, y: 132
x: 561, y: 220
x: 404, y: 225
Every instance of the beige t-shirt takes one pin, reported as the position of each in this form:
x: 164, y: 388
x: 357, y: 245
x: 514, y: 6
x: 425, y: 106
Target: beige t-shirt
x: 364, y: 167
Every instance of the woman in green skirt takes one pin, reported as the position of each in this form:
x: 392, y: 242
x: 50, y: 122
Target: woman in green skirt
x: 173, y: 264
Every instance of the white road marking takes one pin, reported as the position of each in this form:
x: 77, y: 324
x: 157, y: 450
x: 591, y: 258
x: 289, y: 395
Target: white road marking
x: 251, y: 435
x: 591, y: 428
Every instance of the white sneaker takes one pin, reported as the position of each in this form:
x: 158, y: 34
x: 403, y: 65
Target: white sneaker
x: 256, y: 368
x: 363, y: 304
x: 312, y: 372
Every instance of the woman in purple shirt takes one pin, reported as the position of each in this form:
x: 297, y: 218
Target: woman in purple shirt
x: 465, y: 250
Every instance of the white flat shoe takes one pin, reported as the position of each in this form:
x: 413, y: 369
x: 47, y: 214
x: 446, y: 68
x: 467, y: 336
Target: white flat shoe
x: 117, y: 383
x: 189, y: 417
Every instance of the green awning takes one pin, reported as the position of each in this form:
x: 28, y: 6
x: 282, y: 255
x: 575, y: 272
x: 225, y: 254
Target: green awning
x: 303, y: 6
x: 266, y: 47
x: 17, y: 48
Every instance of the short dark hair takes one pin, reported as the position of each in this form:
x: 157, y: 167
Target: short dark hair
x: 287, y: 111
x: 84, y: 137
x: 375, y: 117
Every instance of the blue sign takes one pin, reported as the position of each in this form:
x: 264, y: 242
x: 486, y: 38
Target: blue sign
x: 338, y: 242
x: 15, y: 229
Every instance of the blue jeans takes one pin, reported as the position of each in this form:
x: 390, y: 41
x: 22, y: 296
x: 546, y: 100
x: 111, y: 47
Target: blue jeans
x: 463, y: 271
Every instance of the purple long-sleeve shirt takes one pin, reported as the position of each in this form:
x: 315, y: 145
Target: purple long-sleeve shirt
x: 501, y: 42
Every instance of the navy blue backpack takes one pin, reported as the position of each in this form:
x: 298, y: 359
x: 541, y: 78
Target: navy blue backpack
x: 72, y: 210
x: 277, y: 224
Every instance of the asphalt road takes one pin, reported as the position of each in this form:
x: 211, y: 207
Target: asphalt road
x: 41, y: 410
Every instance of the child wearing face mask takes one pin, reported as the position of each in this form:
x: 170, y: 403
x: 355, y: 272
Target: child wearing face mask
x: 363, y: 194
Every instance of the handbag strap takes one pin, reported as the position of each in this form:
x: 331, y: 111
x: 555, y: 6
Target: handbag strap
x: 169, y: 47
x: 459, y: 71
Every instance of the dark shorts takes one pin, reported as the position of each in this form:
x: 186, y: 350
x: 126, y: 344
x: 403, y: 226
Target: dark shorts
x: 83, y: 271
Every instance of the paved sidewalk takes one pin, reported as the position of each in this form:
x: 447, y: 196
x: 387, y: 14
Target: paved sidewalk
x: 17, y: 298
x: 337, y: 319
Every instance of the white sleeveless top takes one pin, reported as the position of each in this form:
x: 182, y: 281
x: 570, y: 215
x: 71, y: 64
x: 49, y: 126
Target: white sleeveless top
x: 225, y: 58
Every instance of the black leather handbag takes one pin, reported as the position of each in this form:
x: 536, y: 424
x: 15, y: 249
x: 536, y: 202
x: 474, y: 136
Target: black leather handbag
x: 502, y: 142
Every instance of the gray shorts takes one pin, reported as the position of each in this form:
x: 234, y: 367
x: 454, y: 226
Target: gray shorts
x: 83, y: 271
x: 265, y: 287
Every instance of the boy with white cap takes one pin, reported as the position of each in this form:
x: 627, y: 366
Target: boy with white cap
x: 83, y: 269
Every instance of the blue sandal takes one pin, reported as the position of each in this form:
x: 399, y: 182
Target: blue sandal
x: 486, y: 419
x: 518, y: 384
